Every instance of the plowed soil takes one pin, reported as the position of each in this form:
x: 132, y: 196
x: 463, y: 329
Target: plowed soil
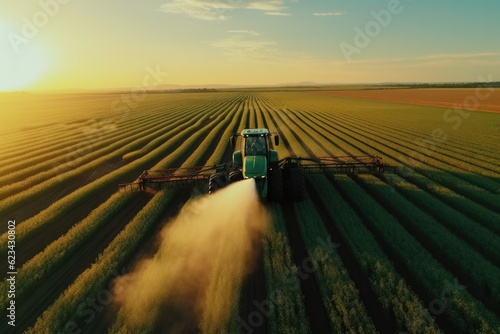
x: 481, y: 99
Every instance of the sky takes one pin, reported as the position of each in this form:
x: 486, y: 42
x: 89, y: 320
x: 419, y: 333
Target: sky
x: 91, y: 44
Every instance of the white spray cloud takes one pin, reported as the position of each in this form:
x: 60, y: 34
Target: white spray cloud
x: 192, y: 283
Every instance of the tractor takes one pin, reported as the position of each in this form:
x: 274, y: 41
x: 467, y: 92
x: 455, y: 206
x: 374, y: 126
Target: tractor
x: 257, y: 160
x: 276, y: 179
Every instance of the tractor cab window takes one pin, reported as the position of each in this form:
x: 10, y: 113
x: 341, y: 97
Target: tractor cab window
x: 255, y: 145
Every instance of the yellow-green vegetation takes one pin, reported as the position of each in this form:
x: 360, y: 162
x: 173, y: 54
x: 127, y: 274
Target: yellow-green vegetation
x: 424, y: 238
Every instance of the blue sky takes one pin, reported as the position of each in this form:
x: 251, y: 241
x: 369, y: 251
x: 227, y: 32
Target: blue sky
x: 60, y: 44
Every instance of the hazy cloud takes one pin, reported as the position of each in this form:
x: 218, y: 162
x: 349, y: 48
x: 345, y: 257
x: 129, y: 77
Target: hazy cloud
x: 244, y: 47
x: 217, y: 10
x: 249, y: 32
x: 329, y: 14
x: 493, y: 56
x: 277, y: 13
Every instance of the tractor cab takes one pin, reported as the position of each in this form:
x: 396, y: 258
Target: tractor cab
x: 256, y: 157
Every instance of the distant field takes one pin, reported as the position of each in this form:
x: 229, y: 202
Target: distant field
x: 484, y: 99
x: 415, y: 251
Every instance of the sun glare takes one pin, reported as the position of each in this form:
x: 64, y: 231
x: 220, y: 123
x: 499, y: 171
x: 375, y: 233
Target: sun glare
x: 22, y: 67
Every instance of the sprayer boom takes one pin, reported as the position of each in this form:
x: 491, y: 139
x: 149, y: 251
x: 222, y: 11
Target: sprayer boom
x: 337, y: 165
x: 158, y: 179
x: 220, y: 175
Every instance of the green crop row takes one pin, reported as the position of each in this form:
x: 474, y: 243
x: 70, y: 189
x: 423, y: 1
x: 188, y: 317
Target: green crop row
x: 459, y: 255
x: 368, y: 144
x: 282, y: 284
x: 462, y: 311
x: 475, y: 234
x: 66, y: 312
x: 100, y: 142
x: 151, y: 210
x: 461, y: 157
x: 453, y: 168
x: 74, y: 199
x: 155, y: 117
x: 227, y: 121
x: 396, y: 297
x: 38, y: 268
x: 340, y: 296
x: 107, y: 150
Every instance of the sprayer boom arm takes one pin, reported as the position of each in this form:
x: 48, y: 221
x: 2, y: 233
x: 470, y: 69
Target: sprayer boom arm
x: 157, y: 179
x: 172, y: 177
x: 337, y: 164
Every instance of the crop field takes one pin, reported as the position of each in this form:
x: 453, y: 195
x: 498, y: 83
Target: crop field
x: 460, y: 98
x: 416, y: 250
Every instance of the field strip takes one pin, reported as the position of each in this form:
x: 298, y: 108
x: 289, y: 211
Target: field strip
x: 261, y: 121
x: 131, y: 122
x: 66, y: 258
x: 395, y: 117
x: 199, y: 149
x: 480, y: 275
x: 455, y: 161
x: 139, y: 130
x: 314, y: 306
x: 292, y: 133
x: 455, y: 143
x: 285, y: 147
x: 310, y: 147
x: 326, y: 143
x: 464, y: 134
x: 395, y: 296
x: 478, y: 236
x: 427, y: 275
x: 444, y: 146
x: 94, y: 142
x: 345, y: 310
x: 453, y: 182
x: 38, y: 190
x: 109, y: 151
x: 96, y: 278
x: 443, y: 97
x: 54, y: 115
x: 371, y: 120
x: 463, y: 192
x: 111, y: 179
x: 227, y: 123
x: 453, y: 167
x: 483, y: 216
x: 282, y: 281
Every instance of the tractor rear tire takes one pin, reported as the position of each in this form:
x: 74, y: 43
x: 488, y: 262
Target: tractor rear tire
x: 297, y: 183
x: 216, y: 182
x: 235, y: 176
x: 275, y: 186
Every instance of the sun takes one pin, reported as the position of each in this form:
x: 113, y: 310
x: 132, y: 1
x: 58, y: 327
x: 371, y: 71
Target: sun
x: 20, y: 67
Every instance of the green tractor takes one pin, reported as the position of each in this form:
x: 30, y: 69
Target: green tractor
x: 258, y: 160
x: 276, y: 179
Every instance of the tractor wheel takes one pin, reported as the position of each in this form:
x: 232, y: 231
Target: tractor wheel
x: 216, y: 182
x: 297, y: 181
x: 275, y: 186
x: 235, y: 176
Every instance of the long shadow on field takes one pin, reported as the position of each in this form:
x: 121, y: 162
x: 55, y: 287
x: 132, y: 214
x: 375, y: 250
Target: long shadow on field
x: 382, y: 321
x: 315, y: 310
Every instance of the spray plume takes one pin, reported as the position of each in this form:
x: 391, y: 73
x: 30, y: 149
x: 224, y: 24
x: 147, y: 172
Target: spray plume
x: 192, y: 283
